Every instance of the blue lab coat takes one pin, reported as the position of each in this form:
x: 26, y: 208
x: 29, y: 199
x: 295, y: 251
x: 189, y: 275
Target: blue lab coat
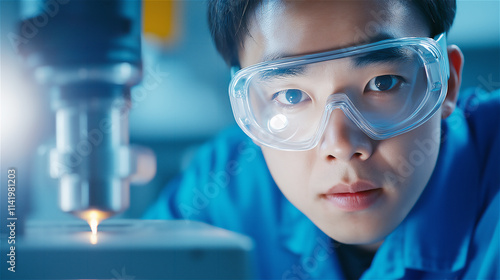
x: 452, y: 232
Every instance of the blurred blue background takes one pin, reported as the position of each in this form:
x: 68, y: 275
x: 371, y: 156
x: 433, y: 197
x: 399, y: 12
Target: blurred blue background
x: 476, y: 31
x: 183, y: 99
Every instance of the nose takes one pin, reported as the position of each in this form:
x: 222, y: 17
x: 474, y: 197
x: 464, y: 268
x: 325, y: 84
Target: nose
x: 343, y: 141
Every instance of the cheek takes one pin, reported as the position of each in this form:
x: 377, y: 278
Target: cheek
x: 411, y: 158
x: 291, y: 171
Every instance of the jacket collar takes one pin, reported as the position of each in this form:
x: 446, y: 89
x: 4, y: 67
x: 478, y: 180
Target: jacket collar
x: 317, y: 258
x: 438, y: 230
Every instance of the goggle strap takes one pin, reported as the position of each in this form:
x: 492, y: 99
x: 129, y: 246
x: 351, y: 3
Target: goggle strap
x: 234, y: 69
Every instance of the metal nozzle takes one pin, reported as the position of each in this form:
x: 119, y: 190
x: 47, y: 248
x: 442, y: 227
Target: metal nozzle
x: 93, y: 159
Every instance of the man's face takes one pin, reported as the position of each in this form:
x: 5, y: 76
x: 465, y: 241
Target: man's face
x: 328, y: 182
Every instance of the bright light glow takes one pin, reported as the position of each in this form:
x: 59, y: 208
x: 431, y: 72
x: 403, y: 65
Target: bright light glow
x: 93, y: 222
x: 278, y: 122
x: 93, y: 238
x: 93, y: 225
x: 21, y: 113
x: 93, y: 217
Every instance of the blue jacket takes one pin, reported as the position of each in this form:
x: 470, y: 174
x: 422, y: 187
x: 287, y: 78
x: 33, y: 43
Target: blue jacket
x: 452, y: 232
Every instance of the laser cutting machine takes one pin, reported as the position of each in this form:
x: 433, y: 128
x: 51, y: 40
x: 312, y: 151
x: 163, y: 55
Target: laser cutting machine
x: 86, y: 55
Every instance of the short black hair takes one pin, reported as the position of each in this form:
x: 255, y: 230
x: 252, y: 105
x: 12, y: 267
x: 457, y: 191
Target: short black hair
x: 228, y: 22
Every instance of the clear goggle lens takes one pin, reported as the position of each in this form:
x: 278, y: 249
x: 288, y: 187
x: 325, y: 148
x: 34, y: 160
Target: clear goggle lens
x: 385, y: 88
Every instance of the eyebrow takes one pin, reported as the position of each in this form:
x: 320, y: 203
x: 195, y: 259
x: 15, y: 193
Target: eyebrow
x: 283, y: 72
x: 383, y: 56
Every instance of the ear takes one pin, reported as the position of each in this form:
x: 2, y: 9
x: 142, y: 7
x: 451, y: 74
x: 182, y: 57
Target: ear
x: 456, y: 59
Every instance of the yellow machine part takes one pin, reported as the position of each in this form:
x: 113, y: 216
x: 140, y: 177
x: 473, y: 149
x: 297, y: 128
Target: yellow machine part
x: 160, y: 18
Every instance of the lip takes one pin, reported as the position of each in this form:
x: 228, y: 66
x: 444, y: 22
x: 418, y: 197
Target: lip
x: 354, y: 197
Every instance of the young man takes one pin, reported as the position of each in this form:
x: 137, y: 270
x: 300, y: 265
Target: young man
x: 351, y: 111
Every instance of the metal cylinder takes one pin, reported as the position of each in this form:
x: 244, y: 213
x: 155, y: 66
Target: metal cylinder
x: 87, y: 53
x: 93, y: 152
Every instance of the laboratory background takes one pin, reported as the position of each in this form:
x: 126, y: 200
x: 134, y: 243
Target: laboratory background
x: 180, y: 103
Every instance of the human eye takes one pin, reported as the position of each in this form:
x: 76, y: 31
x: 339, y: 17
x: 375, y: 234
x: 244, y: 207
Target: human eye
x: 290, y: 97
x: 384, y: 83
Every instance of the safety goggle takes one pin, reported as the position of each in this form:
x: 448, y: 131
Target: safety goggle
x: 386, y: 88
